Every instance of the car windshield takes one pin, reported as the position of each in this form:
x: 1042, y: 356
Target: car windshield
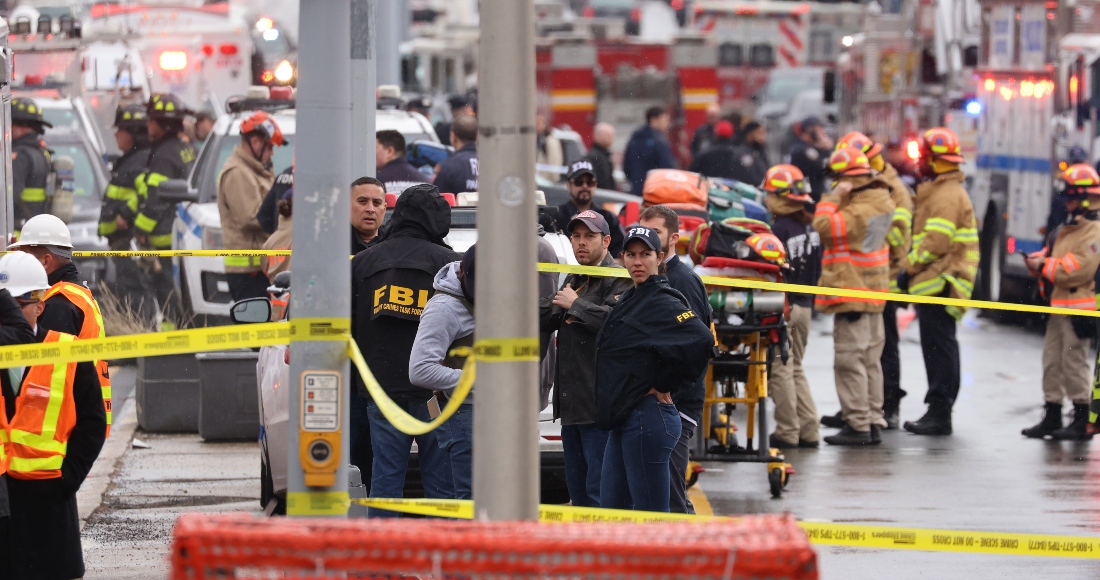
x: 61, y: 118
x: 783, y: 88
x: 86, y: 195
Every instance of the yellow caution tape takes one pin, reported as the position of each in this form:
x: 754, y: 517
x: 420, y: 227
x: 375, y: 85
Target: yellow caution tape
x: 320, y: 329
x: 821, y: 290
x: 176, y: 253
x: 494, y: 350
x: 317, y: 503
x: 822, y: 533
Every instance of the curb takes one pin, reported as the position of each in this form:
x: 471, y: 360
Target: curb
x: 90, y: 495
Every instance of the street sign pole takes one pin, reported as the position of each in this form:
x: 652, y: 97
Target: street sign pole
x: 506, y: 459
x: 364, y: 85
x: 317, y: 479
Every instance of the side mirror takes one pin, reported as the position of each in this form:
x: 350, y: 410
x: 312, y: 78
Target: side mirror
x: 176, y: 191
x: 251, y: 311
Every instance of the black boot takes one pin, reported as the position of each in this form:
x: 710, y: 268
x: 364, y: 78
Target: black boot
x: 834, y: 421
x: 1078, y: 429
x: 876, y: 435
x: 1052, y: 421
x: 893, y: 418
x: 934, y: 422
x: 849, y: 436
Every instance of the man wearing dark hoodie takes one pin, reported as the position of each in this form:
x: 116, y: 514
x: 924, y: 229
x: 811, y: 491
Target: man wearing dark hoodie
x: 448, y: 323
x: 393, y: 280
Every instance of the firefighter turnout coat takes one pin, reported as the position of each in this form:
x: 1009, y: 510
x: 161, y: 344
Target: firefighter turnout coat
x: 901, y: 230
x: 170, y: 158
x: 241, y: 188
x: 944, y: 256
x: 1071, y: 264
x: 853, y: 231
x: 121, y: 198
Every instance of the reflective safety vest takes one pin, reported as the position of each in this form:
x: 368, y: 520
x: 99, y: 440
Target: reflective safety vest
x: 92, y: 328
x: 45, y: 415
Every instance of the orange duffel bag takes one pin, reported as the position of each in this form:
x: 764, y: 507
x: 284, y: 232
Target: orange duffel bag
x: 664, y: 186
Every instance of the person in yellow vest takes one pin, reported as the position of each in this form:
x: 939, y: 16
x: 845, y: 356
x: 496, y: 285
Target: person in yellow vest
x: 56, y: 427
x: 942, y: 262
x: 1069, y: 267
x: 70, y: 306
x: 853, y: 221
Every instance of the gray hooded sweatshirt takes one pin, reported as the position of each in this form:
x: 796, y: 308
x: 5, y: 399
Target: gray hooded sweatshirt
x: 445, y: 320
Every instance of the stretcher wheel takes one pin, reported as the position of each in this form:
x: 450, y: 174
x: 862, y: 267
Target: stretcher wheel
x: 775, y: 481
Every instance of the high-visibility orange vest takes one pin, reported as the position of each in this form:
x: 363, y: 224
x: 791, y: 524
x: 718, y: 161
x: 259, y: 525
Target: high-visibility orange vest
x: 45, y: 415
x: 92, y: 328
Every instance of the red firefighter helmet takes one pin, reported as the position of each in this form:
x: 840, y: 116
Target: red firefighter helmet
x: 264, y: 124
x: 860, y: 141
x: 1080, y: 180
x: 849, y: 161
x: 788, y: 181
x: 768, y: 246
x: 941, y: 143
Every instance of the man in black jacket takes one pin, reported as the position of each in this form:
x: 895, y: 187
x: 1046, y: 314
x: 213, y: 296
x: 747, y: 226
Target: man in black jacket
x: 268, y: 214
x: 603, y: 137
x: 577, y: 312
x: 368, y: 210
x: 717, y: 160
x: 392, y: 281
x: 688, y: 401
x: 581, y: 183
x: 750, y: 160
x: 458, y: 173
x: 393, y: 169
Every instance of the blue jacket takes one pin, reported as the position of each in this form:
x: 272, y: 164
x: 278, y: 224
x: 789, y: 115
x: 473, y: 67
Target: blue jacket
x: 647, y: 149
x: 458, y: 172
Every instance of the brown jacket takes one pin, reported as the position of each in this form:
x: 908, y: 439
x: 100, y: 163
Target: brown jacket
x: 945, y: 241
x: 853, y: 232
x: 1072, y: 263
x: 901, y: 231
x: 241, y: 188
x: 280, y: 240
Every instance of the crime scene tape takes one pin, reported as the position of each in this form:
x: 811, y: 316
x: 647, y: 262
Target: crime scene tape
x: 176, y: 253
x: 822, y: 533
x: 821, y: 290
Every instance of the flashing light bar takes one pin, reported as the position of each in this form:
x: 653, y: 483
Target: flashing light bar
x: 173, y: 60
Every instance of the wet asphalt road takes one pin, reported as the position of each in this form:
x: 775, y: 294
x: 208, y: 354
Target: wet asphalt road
x: 984, y: 477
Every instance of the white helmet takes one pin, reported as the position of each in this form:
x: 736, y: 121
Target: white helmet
x: 44, y: 230
x: 23, y: 276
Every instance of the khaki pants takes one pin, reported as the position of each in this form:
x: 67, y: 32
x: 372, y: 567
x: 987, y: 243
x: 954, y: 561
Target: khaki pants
x: 1067, y: 371
x: 795, y: 412
x: 857, y: 368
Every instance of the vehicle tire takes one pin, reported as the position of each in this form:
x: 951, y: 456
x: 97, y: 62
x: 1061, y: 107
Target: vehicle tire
x: 992, y: 261
x: 775, y: 481
x: 267, y: 486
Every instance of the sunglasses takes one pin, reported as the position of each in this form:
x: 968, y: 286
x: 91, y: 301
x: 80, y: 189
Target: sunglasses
x: 584, y: 180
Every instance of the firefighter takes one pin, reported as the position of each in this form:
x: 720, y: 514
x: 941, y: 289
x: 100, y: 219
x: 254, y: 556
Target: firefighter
x: 170, y: 158
x: 1069, y: 266
x: 50, y: 453
x: 899, y: 239
x: 852, y: 221
x: 943, y: 261
x: 30, y: 160
x: 120, y: 204
x: 70, y: 307
x: 242, y: 183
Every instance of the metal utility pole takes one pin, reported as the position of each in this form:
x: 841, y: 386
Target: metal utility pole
x: 506, y: 459
x: 7, y: 225
x: 393, y: 19
x: 317, y: 482
x: 364, y: 84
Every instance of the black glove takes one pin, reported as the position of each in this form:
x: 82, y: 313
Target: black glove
x: 903, y: 281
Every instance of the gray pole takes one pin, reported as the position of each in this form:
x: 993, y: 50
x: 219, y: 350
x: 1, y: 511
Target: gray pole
x: 7, y: 225
x: 506, y: 458
x: 320, y: 289
x: 393, y: 19
x: 364, y: 84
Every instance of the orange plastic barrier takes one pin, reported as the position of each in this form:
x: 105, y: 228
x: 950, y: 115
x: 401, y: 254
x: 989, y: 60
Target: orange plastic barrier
x: 239, y: 546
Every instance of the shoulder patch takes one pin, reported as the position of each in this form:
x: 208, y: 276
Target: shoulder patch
x: 812, y: 154
x: 747, y: 160
x: 1094, y: 248
x: 685, y: 316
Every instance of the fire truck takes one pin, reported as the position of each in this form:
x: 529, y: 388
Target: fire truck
x: 202, y: 53
x: 1038, y: 84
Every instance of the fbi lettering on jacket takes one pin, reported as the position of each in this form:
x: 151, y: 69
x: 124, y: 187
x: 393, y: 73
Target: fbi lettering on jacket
x: 401, y: 301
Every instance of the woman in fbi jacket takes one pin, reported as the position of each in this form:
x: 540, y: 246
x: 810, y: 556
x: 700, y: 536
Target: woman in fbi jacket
x: 651, y: 346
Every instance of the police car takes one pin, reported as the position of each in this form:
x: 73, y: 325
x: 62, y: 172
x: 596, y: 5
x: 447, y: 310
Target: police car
x: 197, y: 226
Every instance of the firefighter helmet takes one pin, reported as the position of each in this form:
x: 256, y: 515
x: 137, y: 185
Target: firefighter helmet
x: 768, y: 246
x: 1080, y: 180
x: 860, y: 141
x: 264, y: 124
x: 850, y: 162
x: 941, y: 143
x: 166, y: 107
x: 131, y: 117
x: 788, y: 181
x: 25, y: 111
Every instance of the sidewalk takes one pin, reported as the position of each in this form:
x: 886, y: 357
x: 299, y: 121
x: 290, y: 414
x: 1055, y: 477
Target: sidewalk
x: 126, y: 536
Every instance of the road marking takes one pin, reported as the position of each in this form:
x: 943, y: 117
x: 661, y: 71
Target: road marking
x: 699, y: 499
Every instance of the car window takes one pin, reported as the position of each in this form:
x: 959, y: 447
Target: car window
x: 86, y: 194
x: 61, y: 118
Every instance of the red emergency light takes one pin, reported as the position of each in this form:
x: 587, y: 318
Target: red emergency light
x: 32, y: 80
x: 282, y: 93
x: 913, y: 149
x: 228, y: 49
x: 208, y: 50
x: 267, y: 76
x: 1010, y: 245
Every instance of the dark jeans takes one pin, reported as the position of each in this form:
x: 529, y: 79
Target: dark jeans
x: 391, y: 457
x: 459, y: 445
x: 891, y: 361
x: 635, y: 464
x: 941, y: 356
x: 242, y: 286
x: 677, y: 468
x: 362, y: 456
x: 584, y: 447
x: 164, y: 285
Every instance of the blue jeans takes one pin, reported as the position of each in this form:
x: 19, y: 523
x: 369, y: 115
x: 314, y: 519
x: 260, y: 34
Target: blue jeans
x: 584, y: 447
x: 459, y: 445
x: 391, y: 458
x: 635, y: 465
x: 362, y: 456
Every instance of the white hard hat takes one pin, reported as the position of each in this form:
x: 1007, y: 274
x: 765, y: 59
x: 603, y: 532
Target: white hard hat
x: 44, y: 230
x: 23, y: 276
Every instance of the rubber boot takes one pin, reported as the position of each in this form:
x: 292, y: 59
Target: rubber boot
x: 1052, y: 421
x: 849, y: 436
x: 834, y: 421
x: 1078, y: 429
x: 934, y: 422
